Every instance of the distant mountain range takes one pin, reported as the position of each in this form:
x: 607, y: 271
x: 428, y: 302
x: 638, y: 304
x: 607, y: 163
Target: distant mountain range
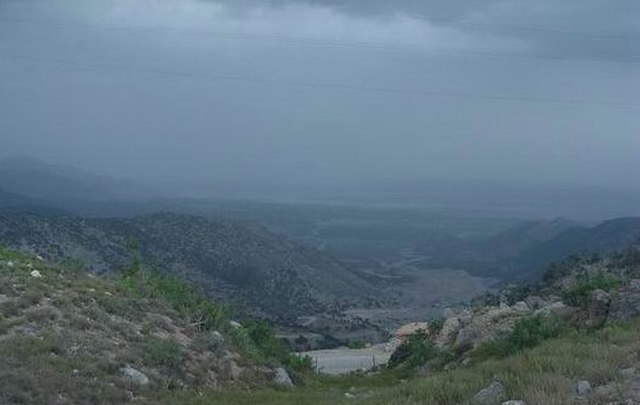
x: 14, y: 203
x: 47, y: 208
x: 38, y: 180
x: 524, y: 251
x: 244, y: 262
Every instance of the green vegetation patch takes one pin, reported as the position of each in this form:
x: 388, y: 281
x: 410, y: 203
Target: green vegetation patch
x: 162, y: 352
x: 527, y: 332
x: 579, y: 294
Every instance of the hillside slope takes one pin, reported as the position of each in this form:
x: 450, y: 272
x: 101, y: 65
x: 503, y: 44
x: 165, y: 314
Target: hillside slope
x: 244, y: 262
x: 605, y: 237
x: 55, y: 183
x: 68, y: 337
x: 524, y: 251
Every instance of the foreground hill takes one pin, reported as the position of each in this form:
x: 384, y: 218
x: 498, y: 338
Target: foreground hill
x: 67, y: 337
x: 243, y: 262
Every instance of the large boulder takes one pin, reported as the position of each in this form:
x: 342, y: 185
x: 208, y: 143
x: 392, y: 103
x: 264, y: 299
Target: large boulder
x: 230, y: 370
x: 282, y: 379
x: 490, y: 325
x: 625, y: 304
x: 521, y: 306
x: 449, y: 331
x: 599, y: 302
x: 412, y: 328
x: 582, y: 388
x: 133, y: 375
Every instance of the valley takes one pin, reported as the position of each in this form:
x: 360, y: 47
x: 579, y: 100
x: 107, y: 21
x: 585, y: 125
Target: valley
x: 337, y: 302
x: 319, y: 202
x: 324, y: 281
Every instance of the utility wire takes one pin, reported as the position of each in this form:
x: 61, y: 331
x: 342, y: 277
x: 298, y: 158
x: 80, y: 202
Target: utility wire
x: 505, y: 26
x: 364, y: 45
x: 338, y: 86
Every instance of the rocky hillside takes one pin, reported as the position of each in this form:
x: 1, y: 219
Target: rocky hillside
x: 67, y: 338
x: 578, y: 297
x: 238, y: 261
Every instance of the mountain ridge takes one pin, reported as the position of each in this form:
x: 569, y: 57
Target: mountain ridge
x: 268, y: 272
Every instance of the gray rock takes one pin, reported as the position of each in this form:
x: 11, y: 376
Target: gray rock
x: 232, y: 371
x: 491, y: 394
x: 217, y: 337
x: 598, y: 307
x: 235, y: 324
x: 134, y: 375
x: 520, y: 306
x: 583, y: 387
x: 626, y: 303
x: 535, y: 302
x: 514, y: 402
x: 282, y: 379
x: 448, y: 332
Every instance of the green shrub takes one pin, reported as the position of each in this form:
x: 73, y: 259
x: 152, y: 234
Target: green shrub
x: 527, y: 332
x: 187, y: 301
x: 246, y: 345
x: 436, y: 324
x: 578, y: 295
x: 413, y: 352
x: 533, y: 330
x: 299, y: 363
x: 263, y: 337
x: 356, y: 344
x: 255, y: 339
x: 162, y: 352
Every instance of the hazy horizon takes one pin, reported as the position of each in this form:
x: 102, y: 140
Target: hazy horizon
x: 287, y: 97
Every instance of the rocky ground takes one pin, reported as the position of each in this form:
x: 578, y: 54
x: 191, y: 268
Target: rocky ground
x: 69, y: 337
x: 577, y: 297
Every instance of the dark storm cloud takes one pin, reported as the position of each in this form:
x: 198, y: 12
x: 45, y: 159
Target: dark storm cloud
x: 203, y: 93
x: 579, y: 28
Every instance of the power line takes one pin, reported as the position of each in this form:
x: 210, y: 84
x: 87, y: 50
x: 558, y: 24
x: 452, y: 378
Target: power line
x: 509, y: 27
x: 338, y: 86
x: 314, y: 41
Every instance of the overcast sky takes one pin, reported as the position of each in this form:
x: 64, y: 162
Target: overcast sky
x: 325, y: 92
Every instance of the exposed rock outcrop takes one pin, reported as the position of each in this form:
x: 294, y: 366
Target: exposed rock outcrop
x: 625, y: 304
x: 282, y: 379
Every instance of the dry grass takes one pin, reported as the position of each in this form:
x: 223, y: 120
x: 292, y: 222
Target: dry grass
x: 544, y: 375
x: 64, y: 336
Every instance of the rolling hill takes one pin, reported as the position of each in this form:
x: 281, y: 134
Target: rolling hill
x: 267, y: 272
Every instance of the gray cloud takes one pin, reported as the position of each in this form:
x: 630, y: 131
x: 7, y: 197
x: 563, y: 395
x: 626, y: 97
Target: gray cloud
x: 205, y: 93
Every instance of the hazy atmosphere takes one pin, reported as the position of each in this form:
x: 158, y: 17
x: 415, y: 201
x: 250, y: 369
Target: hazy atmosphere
x: 320, y: 202
x: 243, y: 97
